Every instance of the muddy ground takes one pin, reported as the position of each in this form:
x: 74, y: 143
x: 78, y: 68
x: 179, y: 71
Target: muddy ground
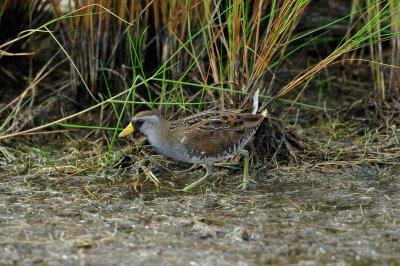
x: 298, y: 215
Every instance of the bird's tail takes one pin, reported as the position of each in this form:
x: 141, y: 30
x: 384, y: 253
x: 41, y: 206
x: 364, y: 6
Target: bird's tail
x: 255, y: 102
x: 264, y: 113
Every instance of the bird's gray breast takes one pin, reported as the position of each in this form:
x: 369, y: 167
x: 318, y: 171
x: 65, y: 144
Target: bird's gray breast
x: 174, y: 150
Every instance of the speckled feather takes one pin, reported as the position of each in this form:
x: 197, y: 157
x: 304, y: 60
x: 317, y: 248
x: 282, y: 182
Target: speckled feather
x: 217, y: 134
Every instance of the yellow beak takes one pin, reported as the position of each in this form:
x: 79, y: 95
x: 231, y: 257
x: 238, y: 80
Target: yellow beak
x: 127, y: 131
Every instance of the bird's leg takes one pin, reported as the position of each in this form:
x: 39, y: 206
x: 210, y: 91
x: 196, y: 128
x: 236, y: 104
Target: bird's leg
x: 246, y: 159
x: 200, y: 180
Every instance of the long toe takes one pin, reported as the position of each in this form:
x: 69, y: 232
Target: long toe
x: 187, y: 189
x: 244, y: 186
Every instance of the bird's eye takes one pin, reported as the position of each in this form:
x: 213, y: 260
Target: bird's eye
x: 138, y: 123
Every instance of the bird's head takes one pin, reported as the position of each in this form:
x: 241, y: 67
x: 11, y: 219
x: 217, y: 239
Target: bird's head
x: 145, y: 122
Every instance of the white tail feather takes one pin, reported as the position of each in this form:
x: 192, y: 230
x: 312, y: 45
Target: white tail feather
x: 255, y: 102
x: 264, y: 113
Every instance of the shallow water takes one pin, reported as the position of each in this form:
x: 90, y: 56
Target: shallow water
x: 291, y: 216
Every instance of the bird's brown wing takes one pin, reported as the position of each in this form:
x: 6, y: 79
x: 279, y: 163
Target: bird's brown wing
x: 220, y: 132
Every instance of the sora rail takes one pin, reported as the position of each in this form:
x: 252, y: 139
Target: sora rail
x: 202, y: 138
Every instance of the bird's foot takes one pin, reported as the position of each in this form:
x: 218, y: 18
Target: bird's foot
x: 200, y: 181
x: 245, y: 185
